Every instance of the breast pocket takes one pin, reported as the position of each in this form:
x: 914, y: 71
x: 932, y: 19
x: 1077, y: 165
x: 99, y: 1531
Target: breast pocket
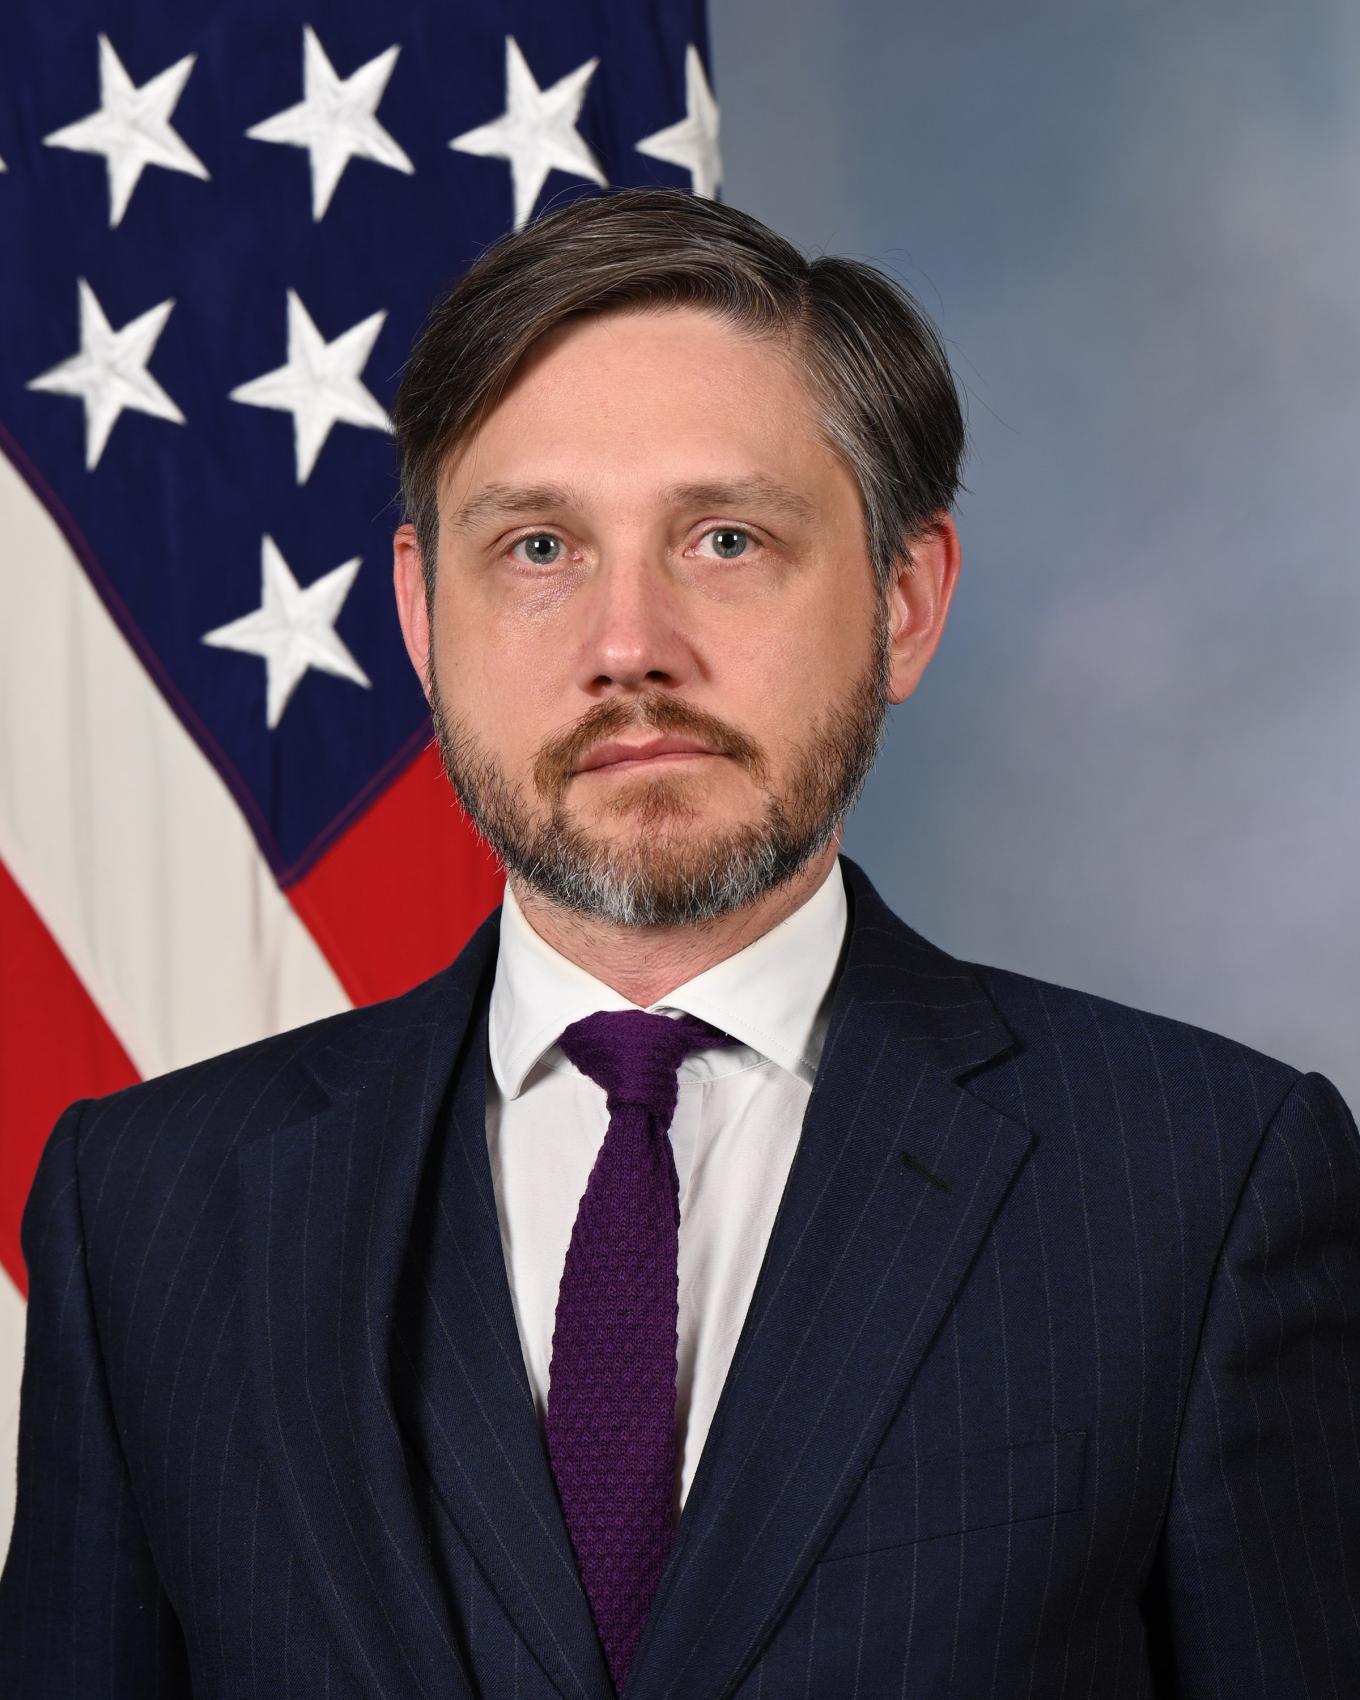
x: 948, y: 1493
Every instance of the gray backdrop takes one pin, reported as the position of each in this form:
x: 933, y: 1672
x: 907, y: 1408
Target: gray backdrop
x: 1131, y: 767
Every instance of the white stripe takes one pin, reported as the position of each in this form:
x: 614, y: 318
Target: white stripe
x: 121, y: 834
x: 11, y: 1370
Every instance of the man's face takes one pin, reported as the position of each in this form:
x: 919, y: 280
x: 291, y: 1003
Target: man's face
x: 659, y: 658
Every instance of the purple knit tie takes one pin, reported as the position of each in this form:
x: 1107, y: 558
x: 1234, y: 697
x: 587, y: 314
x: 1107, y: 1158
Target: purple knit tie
x: 611, y: 1386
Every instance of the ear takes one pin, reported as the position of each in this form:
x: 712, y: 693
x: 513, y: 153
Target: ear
x: 408, y: 580
x: 918, y: 604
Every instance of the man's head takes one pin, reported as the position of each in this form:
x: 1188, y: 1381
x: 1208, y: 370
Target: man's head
x: 666, y: 479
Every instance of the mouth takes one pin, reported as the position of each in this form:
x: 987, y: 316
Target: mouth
x: 654, y: 753
x: 651, y: 762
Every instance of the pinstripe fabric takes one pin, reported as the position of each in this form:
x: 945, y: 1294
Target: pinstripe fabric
x: 1048, y: 1389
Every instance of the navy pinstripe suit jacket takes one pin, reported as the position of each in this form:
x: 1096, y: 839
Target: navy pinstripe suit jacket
x: 1048, y: 1387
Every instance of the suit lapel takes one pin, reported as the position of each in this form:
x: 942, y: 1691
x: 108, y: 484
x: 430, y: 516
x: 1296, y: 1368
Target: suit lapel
x: 329, y: 1209
x: 466, y: 1392
x: 324, y: 1210
x: 898, y: 1174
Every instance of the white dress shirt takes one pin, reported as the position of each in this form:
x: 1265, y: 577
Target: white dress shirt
x: 736, y: 1126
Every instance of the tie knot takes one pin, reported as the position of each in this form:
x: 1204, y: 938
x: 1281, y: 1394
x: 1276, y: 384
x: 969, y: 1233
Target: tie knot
x: 634, y: 1055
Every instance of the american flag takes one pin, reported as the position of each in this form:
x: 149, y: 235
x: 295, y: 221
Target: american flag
x: 221, y: 227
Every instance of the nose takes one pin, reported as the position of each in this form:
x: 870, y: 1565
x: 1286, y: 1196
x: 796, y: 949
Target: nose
x: 632, y: 633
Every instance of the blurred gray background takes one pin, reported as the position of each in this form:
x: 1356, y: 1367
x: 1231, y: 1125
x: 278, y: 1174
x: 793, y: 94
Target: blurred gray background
x: 1131, y: 767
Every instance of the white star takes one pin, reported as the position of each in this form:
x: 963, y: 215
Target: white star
x: 537, y: 130
x: 293, y: 629
x: 320, y: 384
x: 110, y: 372
x: 693, y: 142
x: 336, y: 119
x: 132, y: 127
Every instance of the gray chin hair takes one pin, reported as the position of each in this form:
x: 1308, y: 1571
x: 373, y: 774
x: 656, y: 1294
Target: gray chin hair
x: 675, y: 879
x: 592, y: 879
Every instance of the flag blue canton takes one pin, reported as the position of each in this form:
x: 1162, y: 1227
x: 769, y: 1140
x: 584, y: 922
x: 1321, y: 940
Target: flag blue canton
x: 209, y: 297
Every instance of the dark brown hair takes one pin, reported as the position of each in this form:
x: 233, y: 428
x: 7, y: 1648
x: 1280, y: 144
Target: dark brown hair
x: 879, y: 376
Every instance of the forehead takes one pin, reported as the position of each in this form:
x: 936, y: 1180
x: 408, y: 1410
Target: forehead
x: 624, y: 401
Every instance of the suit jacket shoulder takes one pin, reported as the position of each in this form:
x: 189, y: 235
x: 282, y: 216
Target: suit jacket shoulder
x: 1067, y: 1034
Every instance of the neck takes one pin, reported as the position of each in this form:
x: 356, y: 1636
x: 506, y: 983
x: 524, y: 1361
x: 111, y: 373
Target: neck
x: 643, y: 964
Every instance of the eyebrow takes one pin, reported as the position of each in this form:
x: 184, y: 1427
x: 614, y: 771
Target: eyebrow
x: 766, y: 493
x: 510, y: 501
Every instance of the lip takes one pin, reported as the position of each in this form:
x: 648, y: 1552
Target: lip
x: 617, y: 754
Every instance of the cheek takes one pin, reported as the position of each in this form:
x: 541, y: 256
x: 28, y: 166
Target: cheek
x: 506, y: 702
x: 797, y: 663
x: 474, y: 651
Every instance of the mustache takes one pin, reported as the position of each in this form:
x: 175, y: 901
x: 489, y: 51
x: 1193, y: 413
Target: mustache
x: 559, y: 757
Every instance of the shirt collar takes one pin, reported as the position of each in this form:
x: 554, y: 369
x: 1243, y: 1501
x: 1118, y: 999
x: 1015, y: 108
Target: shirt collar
x: 771, y: 996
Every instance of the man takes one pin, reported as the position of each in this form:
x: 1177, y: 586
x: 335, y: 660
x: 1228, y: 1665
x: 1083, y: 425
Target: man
x: 705, y: 1286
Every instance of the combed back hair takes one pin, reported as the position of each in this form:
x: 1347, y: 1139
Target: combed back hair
x: 877, y: 372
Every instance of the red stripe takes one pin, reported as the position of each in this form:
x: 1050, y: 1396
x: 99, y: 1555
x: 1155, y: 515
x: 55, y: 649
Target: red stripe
x: 399, y: 895
x: 54, y: 1046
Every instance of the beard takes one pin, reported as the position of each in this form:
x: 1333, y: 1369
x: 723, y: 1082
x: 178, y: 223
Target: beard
x: 669, y: 871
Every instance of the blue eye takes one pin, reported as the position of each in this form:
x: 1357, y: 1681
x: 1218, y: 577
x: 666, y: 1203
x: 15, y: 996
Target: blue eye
x: 540, y: 550
x: 729, y: 542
